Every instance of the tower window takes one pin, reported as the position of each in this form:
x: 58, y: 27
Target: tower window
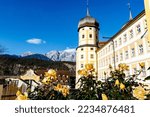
x: 90, y: 35
x: 81, y: 65
x: 82, y: 56
x: 92, y: 56
x: 83, y: 36
x: 91, y: 49
x: 83, y: 29
x: 90, y: 28
x: 81, y: 49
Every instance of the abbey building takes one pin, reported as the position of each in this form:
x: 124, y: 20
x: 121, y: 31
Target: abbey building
x: 130, y: 45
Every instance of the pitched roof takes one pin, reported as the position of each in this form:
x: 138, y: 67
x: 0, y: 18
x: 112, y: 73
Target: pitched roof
x: 129, y: 23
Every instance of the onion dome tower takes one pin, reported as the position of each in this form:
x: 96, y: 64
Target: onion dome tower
x: 88, y: 31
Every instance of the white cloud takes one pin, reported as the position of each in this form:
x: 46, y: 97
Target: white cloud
x: 36, y: 41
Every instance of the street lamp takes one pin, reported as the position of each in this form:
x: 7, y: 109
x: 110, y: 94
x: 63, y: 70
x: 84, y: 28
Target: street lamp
x: 114, y: 53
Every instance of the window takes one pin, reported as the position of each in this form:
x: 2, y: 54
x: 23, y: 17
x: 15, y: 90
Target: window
x: 121, y: 56
x: 145, y: 24
x: 109, y: 47
x: 81, y: 65
x: 138, y: 28
x: 141, y: 49
x: 92, y: 56
x: 116, y: 58
x: 106, y: 50
x: 90, y: 35
x: 106, y: 61
x: 82, y: 57
x: 143, y: 74
x: 120, y: 41
x: 125, y: 37
x: 82, y: 28
x: 131, y: 34
x: 96, y: 36
x: 91, y: 49
x: 126, y: 54
x: 134, y: 70
x: 115, y: 43
x: 83, y: 36
x: 109, y: 60
x: 128, y: 72
x: 82, y: 49
x: 148, y: 44
x: 90, y: 28
x: 132, y: 52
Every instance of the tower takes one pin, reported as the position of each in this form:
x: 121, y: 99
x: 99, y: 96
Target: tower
x: 88, y: 30
x: 147, y: 10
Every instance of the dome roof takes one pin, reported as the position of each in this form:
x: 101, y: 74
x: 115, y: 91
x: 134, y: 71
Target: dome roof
x: 89, y: 21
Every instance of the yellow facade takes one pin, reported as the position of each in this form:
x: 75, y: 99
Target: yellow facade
x: 130, y: 45
x: 147, y: 10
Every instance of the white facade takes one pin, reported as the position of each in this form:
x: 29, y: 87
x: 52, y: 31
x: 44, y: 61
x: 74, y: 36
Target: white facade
x: 131, y: 46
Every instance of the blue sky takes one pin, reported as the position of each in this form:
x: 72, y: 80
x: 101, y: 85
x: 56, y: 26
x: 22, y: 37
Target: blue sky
x: 40, y: 26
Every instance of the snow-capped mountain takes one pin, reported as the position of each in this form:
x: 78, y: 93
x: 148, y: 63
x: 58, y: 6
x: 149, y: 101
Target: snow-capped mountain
x: 53, y: 55
x: 65, y: 55
x: 27, y: 54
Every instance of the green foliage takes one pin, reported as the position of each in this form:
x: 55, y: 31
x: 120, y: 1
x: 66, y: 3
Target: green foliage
x: 45, y: 92
x: 116, y: 86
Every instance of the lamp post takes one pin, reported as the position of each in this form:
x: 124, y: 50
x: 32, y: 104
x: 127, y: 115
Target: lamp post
x: 114, y: 53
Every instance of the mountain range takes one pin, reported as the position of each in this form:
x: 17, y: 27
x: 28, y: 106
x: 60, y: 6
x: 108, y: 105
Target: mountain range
x: 65, y: 55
